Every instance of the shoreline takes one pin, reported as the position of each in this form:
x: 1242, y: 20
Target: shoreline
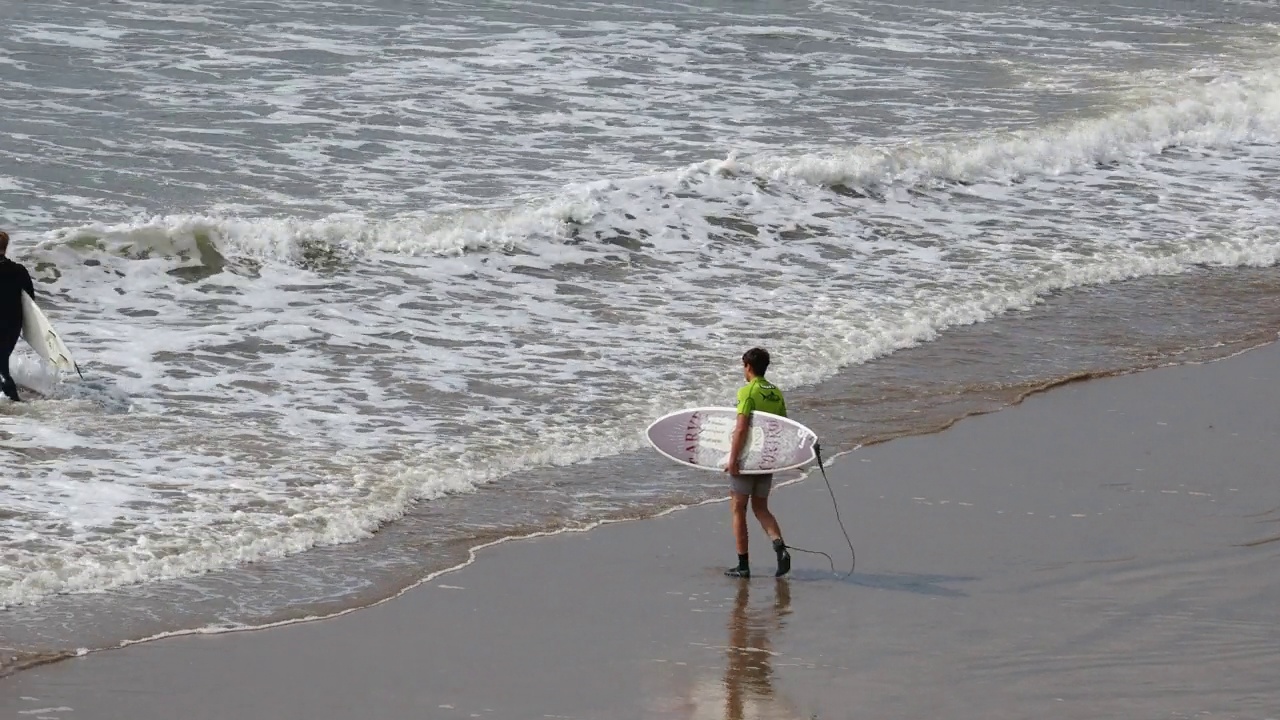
x: 922, y: 389
x: 1099, y: 558
x: 29, y: 660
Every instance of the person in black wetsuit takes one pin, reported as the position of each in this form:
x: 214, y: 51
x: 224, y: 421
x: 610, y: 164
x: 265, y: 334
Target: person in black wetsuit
x: 14, y: 280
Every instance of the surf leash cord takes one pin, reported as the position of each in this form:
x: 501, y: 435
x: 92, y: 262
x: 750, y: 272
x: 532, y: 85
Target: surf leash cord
x: 853, y: 556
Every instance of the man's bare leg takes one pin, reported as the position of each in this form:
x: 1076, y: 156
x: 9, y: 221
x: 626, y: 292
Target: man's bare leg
x: 738, y: 505
x: 760, y: 506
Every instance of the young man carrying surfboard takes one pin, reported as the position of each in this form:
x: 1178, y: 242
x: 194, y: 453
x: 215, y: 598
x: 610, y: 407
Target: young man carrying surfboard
x: 757, y: 394
x: 14, y: 280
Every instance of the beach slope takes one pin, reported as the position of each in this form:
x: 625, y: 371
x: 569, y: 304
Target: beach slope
x: 1105, y: 549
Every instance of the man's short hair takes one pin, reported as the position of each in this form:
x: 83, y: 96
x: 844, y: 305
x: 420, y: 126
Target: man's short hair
x: 4, y: 243
x: 757, y: 359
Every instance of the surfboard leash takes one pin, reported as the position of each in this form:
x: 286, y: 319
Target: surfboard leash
x: 853, y: 556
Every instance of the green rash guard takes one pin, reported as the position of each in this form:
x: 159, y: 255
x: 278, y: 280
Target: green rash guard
x: 762, y: 395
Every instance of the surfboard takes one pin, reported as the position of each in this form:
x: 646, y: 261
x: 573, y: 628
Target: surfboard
x: 700, y: 437
x: 42, y: 338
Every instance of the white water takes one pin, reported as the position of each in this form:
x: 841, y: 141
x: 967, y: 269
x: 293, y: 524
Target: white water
x: 312, y: 350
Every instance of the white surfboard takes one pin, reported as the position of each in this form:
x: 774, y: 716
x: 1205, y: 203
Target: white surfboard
x: 700, y: 437
x: 42, y: 338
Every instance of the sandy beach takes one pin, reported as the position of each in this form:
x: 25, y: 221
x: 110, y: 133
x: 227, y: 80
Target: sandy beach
x: 1104, y: 549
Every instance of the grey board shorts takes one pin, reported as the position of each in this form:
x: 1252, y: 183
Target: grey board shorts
x: 753, y: 485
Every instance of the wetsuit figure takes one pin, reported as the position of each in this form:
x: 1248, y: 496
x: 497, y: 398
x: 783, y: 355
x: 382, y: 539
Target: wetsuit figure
x: 14, y: 280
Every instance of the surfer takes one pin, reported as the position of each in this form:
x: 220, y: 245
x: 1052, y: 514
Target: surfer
x: 757, y: 394
x: 14, y: 280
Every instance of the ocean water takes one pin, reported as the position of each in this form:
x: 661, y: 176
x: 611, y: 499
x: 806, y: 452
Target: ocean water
x: 357, y: 287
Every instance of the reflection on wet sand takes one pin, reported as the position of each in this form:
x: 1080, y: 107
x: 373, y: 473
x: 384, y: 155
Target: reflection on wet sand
x: 746, y: 690
x: 748, y: 675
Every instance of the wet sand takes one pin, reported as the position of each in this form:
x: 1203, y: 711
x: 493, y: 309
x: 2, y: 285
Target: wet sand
x: 1106, y: 549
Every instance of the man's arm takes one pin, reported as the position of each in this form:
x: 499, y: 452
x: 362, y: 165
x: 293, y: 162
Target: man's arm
x: 739, y: 441
x: 27, y: 285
